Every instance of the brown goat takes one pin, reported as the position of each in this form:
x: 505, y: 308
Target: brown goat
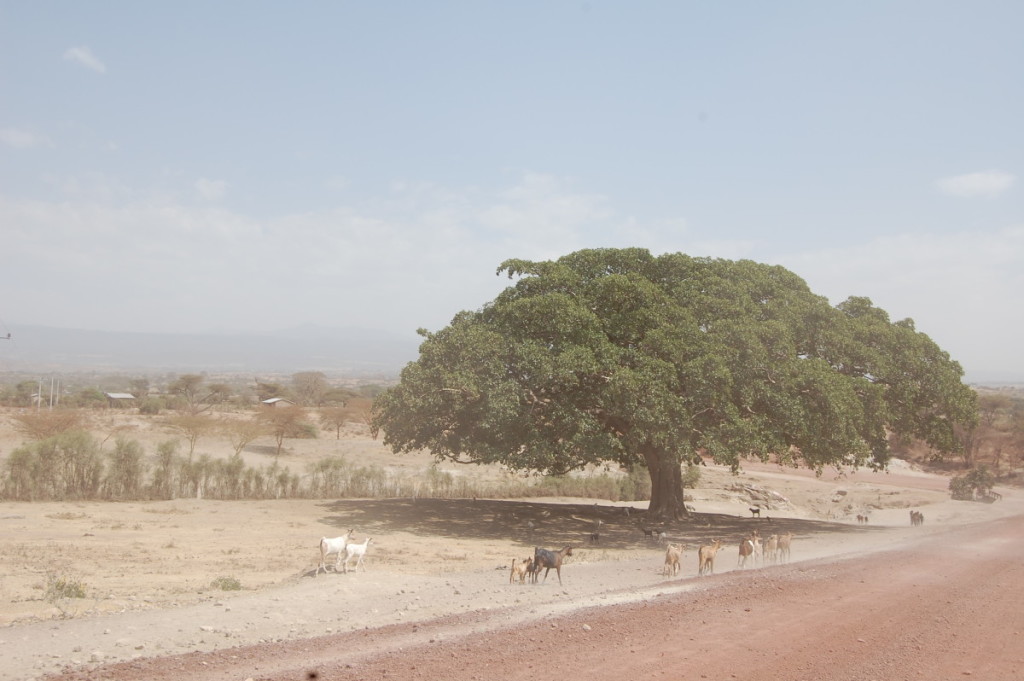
x: 747, y: 547
x: 672, y: 557
x: 544, y: 558
x: 706, y: 557
x: 521, y: 571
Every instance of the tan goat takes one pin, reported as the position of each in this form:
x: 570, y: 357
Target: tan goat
x: 521, y: 570
x: 673, y: 554
x: 706, y: 557
x: 785, y: 540
x: 770, y: 550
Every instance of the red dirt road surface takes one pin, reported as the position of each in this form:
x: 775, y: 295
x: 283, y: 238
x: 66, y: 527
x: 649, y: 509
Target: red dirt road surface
x: 941, y: 605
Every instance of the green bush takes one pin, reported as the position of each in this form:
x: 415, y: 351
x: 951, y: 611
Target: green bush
x: 977, y: 482
x: 226, y: 584
x: 59, y: 586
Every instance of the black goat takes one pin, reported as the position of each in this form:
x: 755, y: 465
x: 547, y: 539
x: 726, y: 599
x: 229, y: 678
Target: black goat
x: 543, y: 558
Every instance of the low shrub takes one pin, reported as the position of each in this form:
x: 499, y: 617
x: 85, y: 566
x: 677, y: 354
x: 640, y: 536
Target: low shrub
x: 226, y: 584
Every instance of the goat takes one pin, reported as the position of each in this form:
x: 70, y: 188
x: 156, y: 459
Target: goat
x: 329, y: 546
x: 784, y: 543
x: 706, y: 557
x: 543, y: 558
x: 672, y: 557
x: 647, y: 532
x: 357, y: 551
x: 747, y: 546
x: 532, y: 570
x: 770, y: 550
x: 521, y: 571
x: 755, y: 511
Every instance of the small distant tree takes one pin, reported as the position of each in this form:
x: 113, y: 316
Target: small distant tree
x: 139, y: 388
x: 241, y: 432
x: 310, y: 387
x: 25, y: 394
x: 337, y: 397
x: 284, y: 422
x: 196, y: 395
x: 191, y: 427
x: 91, y: 398
x: 334, y: 418
x: 360, y: 410
x: 977, y: 482
x: 266, y: 390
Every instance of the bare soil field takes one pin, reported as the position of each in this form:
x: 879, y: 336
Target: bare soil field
x: 434, y: 599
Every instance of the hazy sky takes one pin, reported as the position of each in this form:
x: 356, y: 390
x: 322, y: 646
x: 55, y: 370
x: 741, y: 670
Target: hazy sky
x: 250, y: 166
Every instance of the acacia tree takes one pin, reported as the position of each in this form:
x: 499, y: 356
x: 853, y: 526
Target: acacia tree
x: 282, y: 422
x: 197, y: 395
x: 39, y: 425
x: 310, y: 387
x: 615, y: 355
x: 191, y: 427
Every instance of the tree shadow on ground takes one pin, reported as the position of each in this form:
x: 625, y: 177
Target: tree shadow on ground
x: 532, y: 523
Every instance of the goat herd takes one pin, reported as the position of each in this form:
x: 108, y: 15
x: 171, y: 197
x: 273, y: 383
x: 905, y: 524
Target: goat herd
x: 775, y: 549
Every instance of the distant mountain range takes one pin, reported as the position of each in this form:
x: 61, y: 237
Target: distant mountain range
x: 355, y: 352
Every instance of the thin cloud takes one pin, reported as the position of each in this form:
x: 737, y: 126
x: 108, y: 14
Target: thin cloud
x: 987, y: 185
x: 953, y: 286
x: 432, y: 251
x: 211, y: 190
x: 22, y: 139
x: 85, y: 57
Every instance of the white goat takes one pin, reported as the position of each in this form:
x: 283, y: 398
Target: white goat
x: 329, y: 546
x: 357, y: 551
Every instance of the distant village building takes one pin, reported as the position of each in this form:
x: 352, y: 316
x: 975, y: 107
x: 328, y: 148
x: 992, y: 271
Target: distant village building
x: 278, y: 402
x: 120, y: 399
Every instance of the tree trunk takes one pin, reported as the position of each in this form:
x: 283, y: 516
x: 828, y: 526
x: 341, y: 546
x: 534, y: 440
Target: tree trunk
x: 666, y: 484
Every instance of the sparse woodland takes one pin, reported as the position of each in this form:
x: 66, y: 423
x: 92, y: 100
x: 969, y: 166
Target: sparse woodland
x: 80, y: 448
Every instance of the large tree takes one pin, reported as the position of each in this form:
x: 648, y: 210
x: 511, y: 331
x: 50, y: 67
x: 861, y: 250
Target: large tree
x: 615, y: 355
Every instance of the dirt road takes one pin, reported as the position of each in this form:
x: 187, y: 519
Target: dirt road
x: 942, y: 604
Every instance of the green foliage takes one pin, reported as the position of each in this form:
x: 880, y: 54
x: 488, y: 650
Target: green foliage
x: 61, y: 586
x: 63, y: 467
x: 126, y: 470
x: 303, y: 431
x: 226, y: 584
x: 976, y: 483
x: 90, y: 398
x: 163, y: 484
x: 151, y: 406
x: 613, y: 355
x: 691, y: 476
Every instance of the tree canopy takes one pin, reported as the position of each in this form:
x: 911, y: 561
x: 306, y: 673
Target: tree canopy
x: 615, y: 355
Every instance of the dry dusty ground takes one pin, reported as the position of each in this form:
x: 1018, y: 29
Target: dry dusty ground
x: 148, y: 569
